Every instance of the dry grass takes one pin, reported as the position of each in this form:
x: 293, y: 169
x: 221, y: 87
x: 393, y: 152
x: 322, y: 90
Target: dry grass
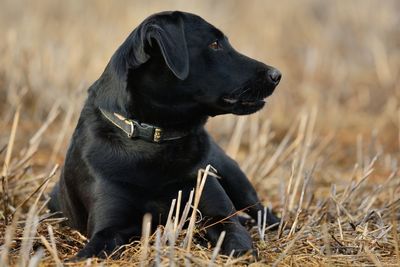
x: 324, y: 152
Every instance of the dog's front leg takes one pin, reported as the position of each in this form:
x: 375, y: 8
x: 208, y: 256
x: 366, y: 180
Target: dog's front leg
x: 237, y: 185
x: 220, y: 215
x: 113, y: 219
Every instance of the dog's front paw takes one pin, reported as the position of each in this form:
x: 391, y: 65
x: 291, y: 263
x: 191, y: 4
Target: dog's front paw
x: 238, y: 241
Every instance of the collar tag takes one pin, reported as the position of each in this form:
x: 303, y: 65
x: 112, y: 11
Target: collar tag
x: 157, y: 135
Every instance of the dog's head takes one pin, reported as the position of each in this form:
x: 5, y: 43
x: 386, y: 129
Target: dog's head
x: 179, y: 65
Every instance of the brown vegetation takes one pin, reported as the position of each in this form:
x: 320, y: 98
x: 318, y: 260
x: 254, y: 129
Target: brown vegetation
x: 324, y: 152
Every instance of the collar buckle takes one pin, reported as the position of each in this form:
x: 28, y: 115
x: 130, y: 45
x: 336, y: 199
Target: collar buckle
x: 145, y: 130
x: 157, y: 135
x: 132, y: 131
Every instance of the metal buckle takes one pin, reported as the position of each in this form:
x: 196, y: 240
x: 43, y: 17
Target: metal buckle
x: 144, y: 130
x: 132, y: 131
x: 157, y: 135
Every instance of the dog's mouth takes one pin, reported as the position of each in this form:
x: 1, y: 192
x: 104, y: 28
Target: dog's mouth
x: 244, y: 100
x: 242, y: 106
x: 249, y: 103
x: 247, y: 99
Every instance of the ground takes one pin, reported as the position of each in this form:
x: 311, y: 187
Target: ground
x: 324, y: 152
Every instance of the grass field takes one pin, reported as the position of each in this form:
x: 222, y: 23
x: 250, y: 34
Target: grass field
x: 324, y: 153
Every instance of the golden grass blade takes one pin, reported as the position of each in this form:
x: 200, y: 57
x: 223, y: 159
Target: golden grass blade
x: 41, y: 187
x: 36, y: 258
x: 146, y: 229
x: 185, y: 213
x: 177, y: 210
x: 8, y: 236
x: 10, y: 145
x: 169, y: 221
x: 6, y: 164
x: 307, y: 132
x: 157, y: 259
x: 52, y: 251
x: 63, y: 130
x: 217, y: 248
x: 234, y: 143
x: 201, y: 180
x: 53, y: 113
x: 53, y: 245
x: 29, y: 233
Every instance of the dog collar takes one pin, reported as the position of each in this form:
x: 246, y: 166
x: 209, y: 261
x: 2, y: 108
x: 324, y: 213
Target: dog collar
x: 144, y: 131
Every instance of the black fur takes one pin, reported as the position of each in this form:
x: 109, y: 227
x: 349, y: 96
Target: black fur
x: 165, y: 74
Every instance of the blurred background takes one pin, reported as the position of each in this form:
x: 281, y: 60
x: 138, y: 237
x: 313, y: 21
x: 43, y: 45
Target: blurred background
x: 340, y: 62
x: 329, y: 134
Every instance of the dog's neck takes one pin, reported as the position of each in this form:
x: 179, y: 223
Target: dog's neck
x: 150, y: 100
x: 165, y: 117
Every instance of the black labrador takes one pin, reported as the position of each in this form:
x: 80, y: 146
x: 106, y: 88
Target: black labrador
x: 140, y: 137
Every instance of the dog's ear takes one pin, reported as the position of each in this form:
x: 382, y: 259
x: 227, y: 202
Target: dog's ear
x: 167, y: 30
x: 168, y: 33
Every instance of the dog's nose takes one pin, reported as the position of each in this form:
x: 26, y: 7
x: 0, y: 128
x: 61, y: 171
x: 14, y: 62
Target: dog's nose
x: 274, y: 75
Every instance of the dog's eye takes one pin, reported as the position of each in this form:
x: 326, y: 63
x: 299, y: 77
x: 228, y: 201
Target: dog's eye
x: 215, y: 45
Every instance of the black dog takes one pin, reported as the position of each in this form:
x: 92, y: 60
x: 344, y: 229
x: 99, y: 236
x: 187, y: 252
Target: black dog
x: 141, y: 138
